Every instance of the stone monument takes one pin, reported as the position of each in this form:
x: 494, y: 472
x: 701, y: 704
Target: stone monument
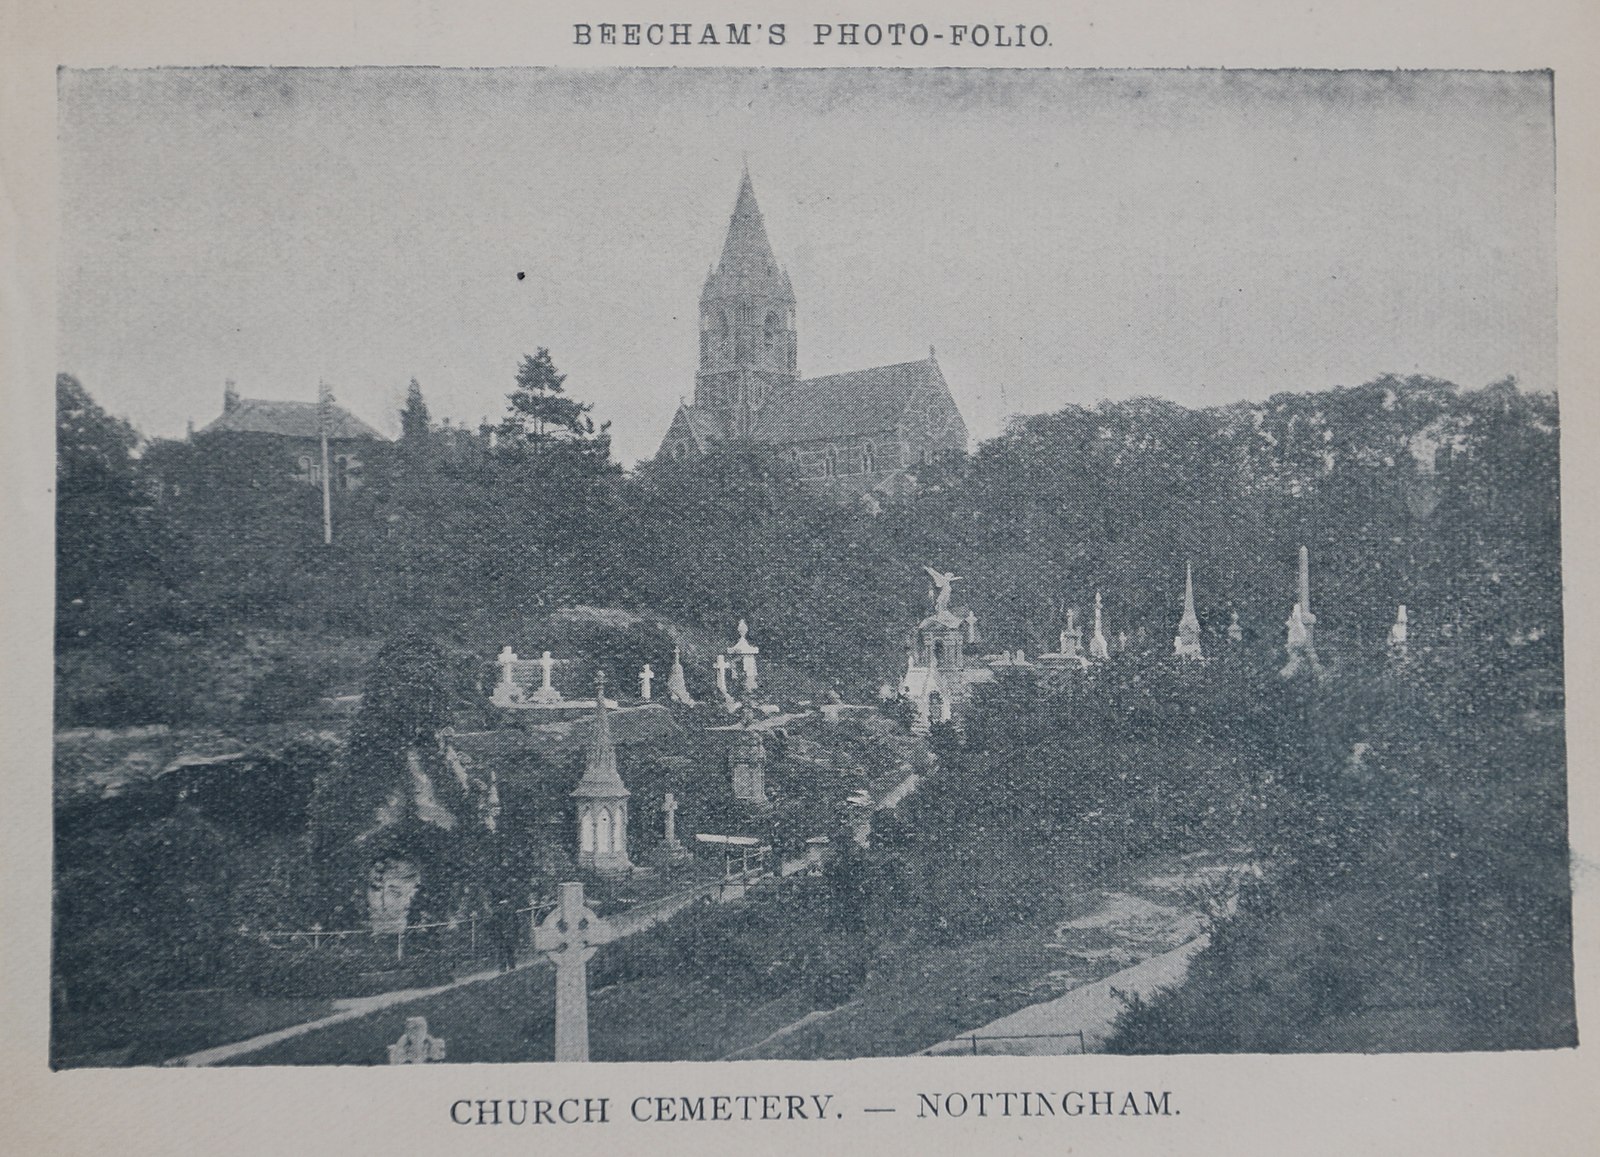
x: 1302, y: 654
x: 507, y: 692
x: 546, y: 692
x: 669, y: 812
x: 1307, y: 619
x: 723, y: 666
x: 415, y: 1046
x: 1098, y: 650
x: 1235, y: 631
x: 569, y: 936
x: 646, y: 679
x: 745, y: 652
x: 602, y: 799
x: 747, y: 764
x: 1400, y: 635
x: 1187, y: 644
x: 677, y: 687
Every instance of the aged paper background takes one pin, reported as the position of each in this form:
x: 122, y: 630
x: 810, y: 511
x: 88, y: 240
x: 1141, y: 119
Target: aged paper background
x: 1507, y: 1103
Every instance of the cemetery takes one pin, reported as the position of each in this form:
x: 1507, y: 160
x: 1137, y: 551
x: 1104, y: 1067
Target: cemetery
x: 805, y: 780
x: 633, y: 839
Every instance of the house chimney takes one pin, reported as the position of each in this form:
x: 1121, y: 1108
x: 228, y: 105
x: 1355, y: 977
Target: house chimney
x: 230, y: 397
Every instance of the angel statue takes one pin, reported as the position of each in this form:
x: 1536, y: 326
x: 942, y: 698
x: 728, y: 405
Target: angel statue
x: 941, y: 580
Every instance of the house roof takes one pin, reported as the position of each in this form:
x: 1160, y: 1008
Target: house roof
x: 290, y: 420
x: 858, y: 402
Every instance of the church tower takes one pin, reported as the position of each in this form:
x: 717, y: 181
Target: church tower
x: 747, y: 336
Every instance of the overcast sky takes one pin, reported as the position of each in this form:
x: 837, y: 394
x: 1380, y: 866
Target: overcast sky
x: 1061, y: 237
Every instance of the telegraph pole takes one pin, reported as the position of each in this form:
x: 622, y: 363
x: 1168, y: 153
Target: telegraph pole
x: 324, y: 406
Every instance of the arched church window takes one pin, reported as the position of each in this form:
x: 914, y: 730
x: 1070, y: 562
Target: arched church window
x: 602, y: 839
x: 867, y: 459
x: 587, y: 838
x: 772, y: 332
x: 832, y: 463
x: 305, y: 464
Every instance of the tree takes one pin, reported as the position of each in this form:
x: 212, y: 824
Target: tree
x: 414, y: 419
x: 539, y: 411
x: 391, y: 795
x: 110, y: 555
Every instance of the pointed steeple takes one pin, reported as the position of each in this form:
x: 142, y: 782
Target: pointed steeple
x: 1187, y: 644
x: 600, y: 778
x: 1190, y: 619
x: 747, y: 264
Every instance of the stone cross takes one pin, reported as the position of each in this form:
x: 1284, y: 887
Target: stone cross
x: 507, y: 660
x: 669, y: 808
x: 646, y: 677
x: 722, y: 675
x: 569, y: 936
x: 506, y: 692
x: 546, y: 665
x: 415, y: 1046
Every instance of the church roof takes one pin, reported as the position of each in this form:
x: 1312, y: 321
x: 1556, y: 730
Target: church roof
x: 747, y: 264
x: 289, y: 420
x: 858, y: 402
x: 704, y: 425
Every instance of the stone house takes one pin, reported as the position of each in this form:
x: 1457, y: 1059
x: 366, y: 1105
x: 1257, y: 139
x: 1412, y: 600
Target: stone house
x: 294, y: 431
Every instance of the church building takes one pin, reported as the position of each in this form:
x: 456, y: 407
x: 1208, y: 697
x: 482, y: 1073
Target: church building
x: 864, y: 431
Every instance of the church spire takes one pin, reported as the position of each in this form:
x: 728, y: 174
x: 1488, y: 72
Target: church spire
x: 747, y: 264
x: 747, y: 334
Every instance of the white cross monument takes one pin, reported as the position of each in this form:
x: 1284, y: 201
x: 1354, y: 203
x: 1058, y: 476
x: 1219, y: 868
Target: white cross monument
x: 546, y: 692
x: 646, y: 678
x: 569, y: 936
x: 506, y: 692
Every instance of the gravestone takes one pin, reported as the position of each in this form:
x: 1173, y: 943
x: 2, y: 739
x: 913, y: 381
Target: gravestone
x: 1400, y: 635
x: 1187, y: 643
x: 729, y: 703
x: 746, y: 651
x: 646, y: 679
x: 507, y: 692
x: 546, y: 692
x: 415, y: 1046
x: 569, y: 936
x: 1098, y: 651
x: 669, y: 812
x: 677, y: 687
x: 1302, y: 653
x: 1308, y: 621
x: 747, y: 765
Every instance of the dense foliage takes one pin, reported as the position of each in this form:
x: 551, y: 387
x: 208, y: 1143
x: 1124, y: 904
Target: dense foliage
x: 1414, y: 815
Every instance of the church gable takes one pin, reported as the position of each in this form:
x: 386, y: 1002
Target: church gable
x: 694, y: 429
